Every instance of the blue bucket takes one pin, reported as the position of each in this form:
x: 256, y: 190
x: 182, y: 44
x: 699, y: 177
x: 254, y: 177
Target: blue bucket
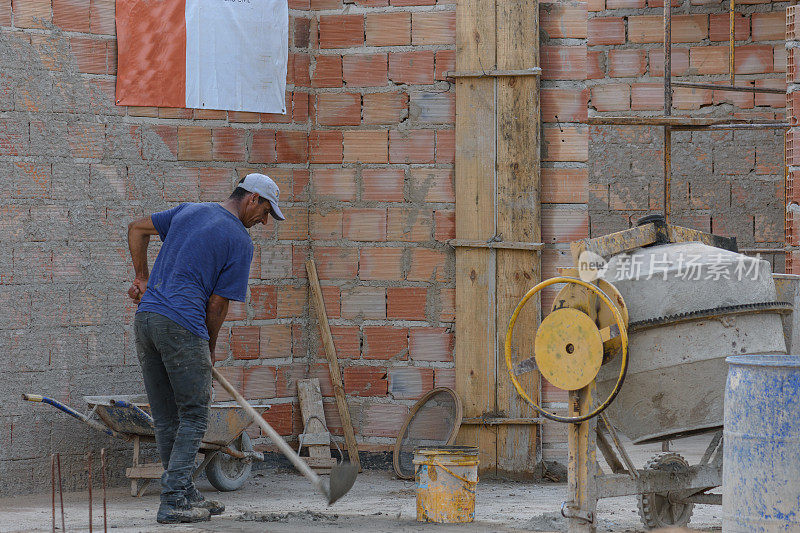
x: 761, y: 453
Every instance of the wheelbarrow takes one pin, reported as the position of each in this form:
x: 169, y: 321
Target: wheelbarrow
x: 227, y: 451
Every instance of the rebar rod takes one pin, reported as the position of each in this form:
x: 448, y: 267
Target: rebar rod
x: 103, y: 477
x: 89, y: 467
x: 667, y: 104
x: 53, y: 488
x: 60, y: 490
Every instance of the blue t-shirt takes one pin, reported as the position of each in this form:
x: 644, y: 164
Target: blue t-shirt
x: 206, y: 251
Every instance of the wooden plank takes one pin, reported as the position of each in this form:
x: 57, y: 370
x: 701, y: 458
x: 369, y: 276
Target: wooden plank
x: 333, y: 364
x: 146, y: 471
x: 315, y: 432
x: 476, y: 373
x: 518, y: 215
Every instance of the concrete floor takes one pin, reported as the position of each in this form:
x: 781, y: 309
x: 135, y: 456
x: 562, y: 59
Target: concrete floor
x: 282, y: 501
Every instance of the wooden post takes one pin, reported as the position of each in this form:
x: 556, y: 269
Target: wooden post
x: 497, y: 198
x: 333, y: 364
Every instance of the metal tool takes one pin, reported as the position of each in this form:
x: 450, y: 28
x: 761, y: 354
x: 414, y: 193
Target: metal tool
x: 342, y: 475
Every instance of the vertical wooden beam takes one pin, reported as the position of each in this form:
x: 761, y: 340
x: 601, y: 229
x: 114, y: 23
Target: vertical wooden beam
x: 497, y: 196
x: 518, y: 212
x: 476, y: 334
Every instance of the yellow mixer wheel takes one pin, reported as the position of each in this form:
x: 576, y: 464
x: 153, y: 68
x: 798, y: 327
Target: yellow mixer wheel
x: 576, y: 297
x: 560, y: 334
x: 568, y: 349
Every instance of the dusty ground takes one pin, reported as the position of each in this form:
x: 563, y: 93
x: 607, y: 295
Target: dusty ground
x: 281, y: 501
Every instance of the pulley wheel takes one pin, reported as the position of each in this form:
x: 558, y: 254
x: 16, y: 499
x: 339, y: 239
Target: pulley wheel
x: 568, y: 349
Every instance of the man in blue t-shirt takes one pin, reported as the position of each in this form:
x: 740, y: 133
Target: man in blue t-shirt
x: 203, y: 263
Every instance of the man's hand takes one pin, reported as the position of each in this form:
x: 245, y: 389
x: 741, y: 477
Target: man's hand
x: 139, y: 232
x: 137, y: 289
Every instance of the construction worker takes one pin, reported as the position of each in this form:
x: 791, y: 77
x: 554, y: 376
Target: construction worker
x: 203, y: 263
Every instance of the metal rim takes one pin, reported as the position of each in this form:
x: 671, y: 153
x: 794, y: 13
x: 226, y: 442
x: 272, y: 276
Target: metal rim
x: 623, y: 337
x: 417, y: 406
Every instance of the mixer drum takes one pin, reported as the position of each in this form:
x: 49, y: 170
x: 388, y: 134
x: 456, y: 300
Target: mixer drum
x: 675, y: 383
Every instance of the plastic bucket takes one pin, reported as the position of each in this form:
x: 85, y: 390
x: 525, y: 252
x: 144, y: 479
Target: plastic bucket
x: 761, y: 457
x: 446, y: 480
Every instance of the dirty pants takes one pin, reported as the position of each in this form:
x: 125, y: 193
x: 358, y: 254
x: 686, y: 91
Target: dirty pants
x: 176, y: 366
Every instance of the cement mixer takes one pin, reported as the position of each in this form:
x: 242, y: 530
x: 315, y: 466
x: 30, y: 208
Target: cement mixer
x: 638, y: 334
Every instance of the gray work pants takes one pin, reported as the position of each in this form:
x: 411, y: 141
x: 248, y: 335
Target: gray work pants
x: 176, y: 366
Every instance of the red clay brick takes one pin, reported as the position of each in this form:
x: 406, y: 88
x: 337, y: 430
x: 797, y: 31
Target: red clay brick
x: 680, y: 61
x: 385, y: 108
x: 445, y: 224
x: 406, y: 303
x: 90, y: 54
x: 625, y: 4
x: 433, y: 107
x: 445, y: 146
x: 719, y: 27
x: 235, y: 375
x: 280, y: 417
x: 300, y: 107
x: 334, y: 262
x: 295, y: 227
x: 445, y: 61
x: 606, y: 30
x: 411, y: 146
x: 444, y: 377
x: 769, y: 26
x: 404, y: 3
x: 388, y: 29
x: 427, y: 265
x: 32, y: 13
x: 382, y: 342
x: 431, y: 344
x: 259, y: 382
x: 646, y: 96
x: 364, y: 302
x: 410, y: 383
x: 611, y: 97
x: 339, y: 109
x: 335, y: 183
x: 563, y: 62
x: 327, y: 71
x: 364, y: 224
x: 5, y: 13
x: 325, y: 146
x: 244, y: 342
x: 563, y: 21
x: 380, y: 264
x: 595, y: 70
x: 565, y: 144
x: 564, y: 185
x: 365, y: 381
x: 244, y: 117
x: 264, y: 301
x: 365, y: 70
x: 341, y: 31
x: 382, y: 184
x: 409, y: 224
x: 753, y: 59
x: 194, y: 143
x: 564, y: 104
x: 710, y: 59
x: 626, y: 63
x: 71, y: 15
x: 262, y: 148
x: 326, y: 4
x: 437, y: 184
x: 411, y: 67
x: 433, y: 27
x: 685, y: 98
x: 229, y: 144
x: 275, y: 341
x: 650, y: 28
x: 291, y: 301
x: 291, y: 146
x: 366, y: 146
x: 383, y: 420
x: 326, y: 227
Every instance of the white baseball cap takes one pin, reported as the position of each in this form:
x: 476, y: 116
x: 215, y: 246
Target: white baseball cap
x: 265, y: 188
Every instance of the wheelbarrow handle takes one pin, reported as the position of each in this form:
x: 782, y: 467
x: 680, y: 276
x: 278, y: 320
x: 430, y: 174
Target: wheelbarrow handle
x: 71, y: 412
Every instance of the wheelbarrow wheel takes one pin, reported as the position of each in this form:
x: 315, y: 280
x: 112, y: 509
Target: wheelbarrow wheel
x: 228, y: 473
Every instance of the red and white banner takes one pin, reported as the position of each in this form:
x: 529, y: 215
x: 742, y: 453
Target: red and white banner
x: 203, y: 54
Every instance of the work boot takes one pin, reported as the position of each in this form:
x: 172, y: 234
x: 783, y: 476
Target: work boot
x: 181, y: 511
x: 196, y: 499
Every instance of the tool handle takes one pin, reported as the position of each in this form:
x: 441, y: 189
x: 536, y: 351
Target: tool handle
x: 301, y: 465
x: 71, y: 412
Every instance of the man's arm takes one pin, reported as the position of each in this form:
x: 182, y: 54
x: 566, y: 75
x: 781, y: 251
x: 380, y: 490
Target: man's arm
x: 216, y: 310
x: 139, y: 232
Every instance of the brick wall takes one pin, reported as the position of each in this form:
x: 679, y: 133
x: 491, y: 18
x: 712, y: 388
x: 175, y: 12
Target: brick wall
x: 728, y: 183
x: 364, y: 160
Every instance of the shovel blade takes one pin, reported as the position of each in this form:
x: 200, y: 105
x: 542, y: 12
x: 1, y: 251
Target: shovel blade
x: 342, y: 478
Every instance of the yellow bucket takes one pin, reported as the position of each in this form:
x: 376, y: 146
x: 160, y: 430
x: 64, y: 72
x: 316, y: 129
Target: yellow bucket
x: 446, y: 479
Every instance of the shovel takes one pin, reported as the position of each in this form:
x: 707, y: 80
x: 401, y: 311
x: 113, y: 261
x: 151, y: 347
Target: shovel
x: 342, y: 475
